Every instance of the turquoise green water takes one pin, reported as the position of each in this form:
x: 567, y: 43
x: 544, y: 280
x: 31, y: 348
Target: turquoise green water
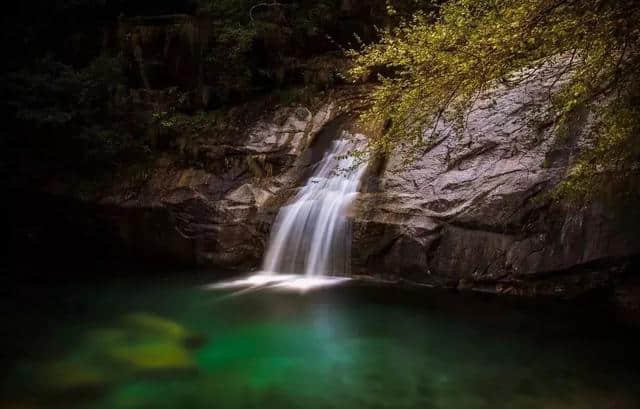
x: 145, y: 343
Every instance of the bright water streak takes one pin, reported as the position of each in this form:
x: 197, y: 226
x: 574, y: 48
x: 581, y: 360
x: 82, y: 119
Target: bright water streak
x: 278, y: 281
x: 312, y: 235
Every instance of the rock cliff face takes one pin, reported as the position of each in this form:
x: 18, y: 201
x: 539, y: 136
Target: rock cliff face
x: 469, y: 213
x: 219, y: 214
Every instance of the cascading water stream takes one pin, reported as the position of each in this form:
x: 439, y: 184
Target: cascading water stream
x: 312, y: 235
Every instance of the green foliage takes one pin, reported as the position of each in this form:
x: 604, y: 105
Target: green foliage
x: 257, y: 46
x: 67, y: 117
x: 436, y: 64
x: 611, y: 167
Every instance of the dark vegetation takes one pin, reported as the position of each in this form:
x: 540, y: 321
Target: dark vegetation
x: 70, y: 66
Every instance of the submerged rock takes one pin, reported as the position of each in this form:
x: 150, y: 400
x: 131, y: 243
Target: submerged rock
x: 150, y: 343
x: 142, y: 344
x: 154, y: 356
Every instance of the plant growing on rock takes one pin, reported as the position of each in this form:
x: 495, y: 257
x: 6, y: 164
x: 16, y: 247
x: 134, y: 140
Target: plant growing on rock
x: 432, y: 67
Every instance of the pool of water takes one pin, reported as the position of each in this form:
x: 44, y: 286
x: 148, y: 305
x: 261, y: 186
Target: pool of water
x: 177, y: 343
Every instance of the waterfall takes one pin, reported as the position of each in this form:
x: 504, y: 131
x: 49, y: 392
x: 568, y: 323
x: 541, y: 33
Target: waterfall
x: 311, y: 237
x: 312, y: 234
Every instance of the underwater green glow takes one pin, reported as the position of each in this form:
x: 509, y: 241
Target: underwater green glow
x: 140, y: 344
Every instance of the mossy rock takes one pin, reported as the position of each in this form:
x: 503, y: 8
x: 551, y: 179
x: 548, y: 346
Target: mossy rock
x: 154, y: 356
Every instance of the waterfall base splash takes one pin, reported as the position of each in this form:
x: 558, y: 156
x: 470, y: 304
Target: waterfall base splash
x: 290, y: 282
